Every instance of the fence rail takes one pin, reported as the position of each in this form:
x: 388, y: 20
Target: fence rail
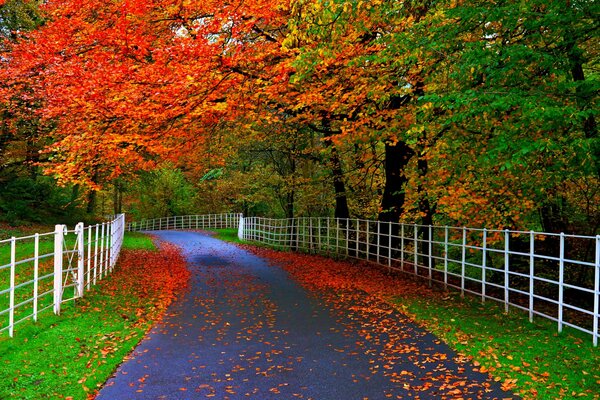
x: 554, y: 276
x: 207, y: 221
x: 40, y: 272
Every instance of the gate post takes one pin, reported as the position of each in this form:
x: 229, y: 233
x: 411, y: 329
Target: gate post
x: 79, y: 229
x: 241, y: 228
x: 59, y: 238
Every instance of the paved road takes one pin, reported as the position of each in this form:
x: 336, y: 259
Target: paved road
x: 244, y: 330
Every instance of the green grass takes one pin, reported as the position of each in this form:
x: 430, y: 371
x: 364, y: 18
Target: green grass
x: 137, y: 241
x: 231, y: 235
x: 64, y: 355
x: 227, y: 234
x: 74, y: 353
x: 544, y: 363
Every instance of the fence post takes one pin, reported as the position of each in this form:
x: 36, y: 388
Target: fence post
x: 36, y: 274
x: 327, y: 234
x: 289, y: 231
x: 79, y: 229
x: 463, y: 261
x: 430, y: 255
x: 13, y: 267
x: 367, y: 240
x: 59, y: 237
x: 347, y: 237
x: 319, y: 233
x: 378, y: 239
x: 107, y: 250
x: 596, y: 292
x: 101, y: 251
x: 297, y: 220
x: 531, y: 272
x: 337, y: 236
x: 96, y: 254
x: 89, y: 257
x: 110, y: 254
x: 311, y: 238
x: 416, y: 250
x: 402, y: 247
x: 240, y: 229
x: 561, y: 280
x: 122, y: 231
x: 446, y: 258
x: 506, y: 268
x: 390, y: 241
x: 483, y: 265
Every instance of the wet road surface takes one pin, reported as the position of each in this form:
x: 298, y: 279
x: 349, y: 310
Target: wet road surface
x: 243, y: 329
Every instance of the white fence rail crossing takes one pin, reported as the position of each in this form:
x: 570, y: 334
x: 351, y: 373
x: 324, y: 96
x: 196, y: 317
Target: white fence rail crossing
x: 554, y: 276
x: 42, y: 271
x: 188, y: 222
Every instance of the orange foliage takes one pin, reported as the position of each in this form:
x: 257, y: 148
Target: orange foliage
x: 129, y: 83
x: 158, y: 276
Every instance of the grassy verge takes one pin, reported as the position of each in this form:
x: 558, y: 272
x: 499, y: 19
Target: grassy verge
x: 137, y: 241
x: 532, y: 357
x: 71, y: 355
x: 227, y: 234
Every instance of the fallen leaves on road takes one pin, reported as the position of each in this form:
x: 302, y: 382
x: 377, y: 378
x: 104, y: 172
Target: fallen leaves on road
x: 360, y: 293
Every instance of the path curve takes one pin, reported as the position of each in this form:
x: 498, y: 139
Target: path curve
x: 244, y: 329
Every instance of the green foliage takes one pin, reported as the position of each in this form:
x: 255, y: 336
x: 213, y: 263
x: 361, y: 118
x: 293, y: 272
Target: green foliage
x: 19, y: 15
x: 38, y: 199
x: 162, y: 193
x: 212, y: 174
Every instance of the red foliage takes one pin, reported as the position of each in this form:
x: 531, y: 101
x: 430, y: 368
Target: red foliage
x: 130, y: 82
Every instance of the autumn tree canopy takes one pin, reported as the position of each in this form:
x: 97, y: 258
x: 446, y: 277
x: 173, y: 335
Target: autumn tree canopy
x: 469, y: 112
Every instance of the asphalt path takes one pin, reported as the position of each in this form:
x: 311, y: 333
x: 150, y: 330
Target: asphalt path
x: 244, y: 329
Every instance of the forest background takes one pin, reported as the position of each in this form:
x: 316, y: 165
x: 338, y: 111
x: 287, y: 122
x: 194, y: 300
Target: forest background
x: 465, y: 113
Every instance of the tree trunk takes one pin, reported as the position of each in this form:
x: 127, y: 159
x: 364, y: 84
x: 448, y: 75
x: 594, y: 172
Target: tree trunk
x: 117, y: 197
x: 397, y: 157
x: 341, y: 201
x: 92, y: 196
x: 584, y: 98
x: 426, y: 211
x: 91, y: 201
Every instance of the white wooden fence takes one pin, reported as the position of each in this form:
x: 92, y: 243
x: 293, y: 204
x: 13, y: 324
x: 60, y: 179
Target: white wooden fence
x: 41, y: 271
x: 554, y: 276
x: 207, y: 221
